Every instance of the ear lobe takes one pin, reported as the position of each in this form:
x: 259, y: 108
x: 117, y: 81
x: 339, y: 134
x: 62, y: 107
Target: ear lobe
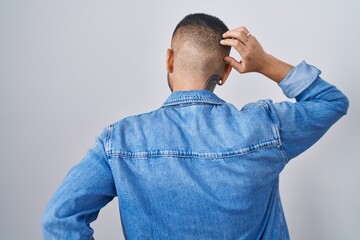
x: 169, y: 60
x: 226, y: 73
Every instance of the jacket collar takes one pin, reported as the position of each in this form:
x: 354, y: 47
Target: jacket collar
x: 194, y: 96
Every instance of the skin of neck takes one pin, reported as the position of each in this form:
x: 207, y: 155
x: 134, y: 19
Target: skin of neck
x: 187, y: 82
x: 181, y: 79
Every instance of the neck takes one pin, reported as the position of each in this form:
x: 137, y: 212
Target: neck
x: 188, y: 84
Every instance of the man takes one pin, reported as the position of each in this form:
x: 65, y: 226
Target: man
x: 199, y: 168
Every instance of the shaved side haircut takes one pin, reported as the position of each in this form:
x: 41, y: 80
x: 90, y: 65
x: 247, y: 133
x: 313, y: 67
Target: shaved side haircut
x: 196, y: 42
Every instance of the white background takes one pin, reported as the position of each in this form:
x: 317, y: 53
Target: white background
x: 69, y: 68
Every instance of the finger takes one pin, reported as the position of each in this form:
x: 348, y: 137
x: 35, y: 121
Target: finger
x: 238, y: 66
x: 238, y: 35
x: 240, y: 29
x: 239, y: 46
x: 241, y: 34
x: 245, y: 30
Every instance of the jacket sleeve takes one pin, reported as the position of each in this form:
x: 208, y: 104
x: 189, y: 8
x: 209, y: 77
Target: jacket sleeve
x: 87, y: 188
x: 318, y: 106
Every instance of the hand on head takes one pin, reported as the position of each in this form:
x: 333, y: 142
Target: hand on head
x: 196, y: 55
x: 253, y: 56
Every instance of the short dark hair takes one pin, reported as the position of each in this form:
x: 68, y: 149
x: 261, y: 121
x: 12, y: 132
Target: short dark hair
x: 202, y: 30
x: 196, y: 41
x: 202, y: 20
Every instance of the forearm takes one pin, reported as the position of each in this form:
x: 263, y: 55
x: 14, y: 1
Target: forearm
x: 275, y: 69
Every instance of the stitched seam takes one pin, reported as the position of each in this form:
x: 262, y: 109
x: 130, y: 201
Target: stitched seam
x: 180, y: 105
x: 187, y: 154
x: 283, y: 153
x: 187, y: 100
x: 108, y: 140
x: 280, y: 211
x: 277, y: 133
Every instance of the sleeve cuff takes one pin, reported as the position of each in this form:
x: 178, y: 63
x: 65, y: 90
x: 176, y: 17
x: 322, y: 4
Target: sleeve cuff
x: 299, y: 79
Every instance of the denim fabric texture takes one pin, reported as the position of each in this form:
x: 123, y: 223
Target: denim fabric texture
x: 198, y: 167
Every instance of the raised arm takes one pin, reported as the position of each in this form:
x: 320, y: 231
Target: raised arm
x: 319, y: 104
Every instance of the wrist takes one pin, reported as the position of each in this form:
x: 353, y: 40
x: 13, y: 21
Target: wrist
x: 275, y: 69
x: 267, y: 64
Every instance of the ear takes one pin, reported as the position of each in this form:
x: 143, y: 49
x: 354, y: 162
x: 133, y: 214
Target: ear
x: 226, y: 73
x: 169, y: 60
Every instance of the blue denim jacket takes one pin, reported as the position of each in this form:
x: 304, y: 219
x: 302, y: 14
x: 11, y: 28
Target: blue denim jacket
x: 197, y: 168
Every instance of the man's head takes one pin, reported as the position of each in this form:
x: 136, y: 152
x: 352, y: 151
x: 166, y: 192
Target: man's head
x: 196, y: 54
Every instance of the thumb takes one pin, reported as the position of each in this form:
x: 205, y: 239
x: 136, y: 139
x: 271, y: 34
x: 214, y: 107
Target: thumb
x: 239, y: 66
